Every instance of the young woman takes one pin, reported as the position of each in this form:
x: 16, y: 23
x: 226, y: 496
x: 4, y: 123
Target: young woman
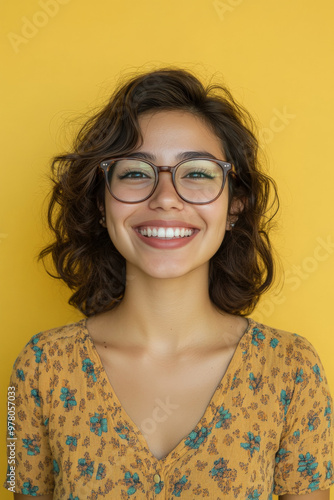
x: 166, y: 390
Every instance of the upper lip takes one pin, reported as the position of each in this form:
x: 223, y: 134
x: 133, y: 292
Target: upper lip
x: 165, y: 223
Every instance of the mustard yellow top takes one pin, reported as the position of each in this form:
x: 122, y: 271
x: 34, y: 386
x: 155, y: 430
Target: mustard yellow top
x: 267, y: 428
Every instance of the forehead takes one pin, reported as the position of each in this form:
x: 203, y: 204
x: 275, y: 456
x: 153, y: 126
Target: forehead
x: 178, y: 130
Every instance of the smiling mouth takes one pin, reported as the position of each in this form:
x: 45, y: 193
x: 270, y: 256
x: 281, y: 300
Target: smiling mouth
x: 166, y: 232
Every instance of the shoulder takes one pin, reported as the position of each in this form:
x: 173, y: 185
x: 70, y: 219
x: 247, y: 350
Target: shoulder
x: 59, y: 333
x: 291, y: 364
x: 51, y: 343
x: 291, y: 347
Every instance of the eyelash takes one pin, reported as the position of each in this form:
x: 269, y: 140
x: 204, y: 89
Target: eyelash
x: 199, y: 171
x: 130, y: 172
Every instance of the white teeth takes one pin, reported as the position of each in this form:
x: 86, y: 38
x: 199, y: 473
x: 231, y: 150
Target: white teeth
x: 168, y: 232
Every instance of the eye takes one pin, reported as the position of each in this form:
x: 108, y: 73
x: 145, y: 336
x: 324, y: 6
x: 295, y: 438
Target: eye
x: 199, y: 174
x: 134, y: 174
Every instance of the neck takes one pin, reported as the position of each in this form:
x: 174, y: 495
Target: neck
x: 167, y: 315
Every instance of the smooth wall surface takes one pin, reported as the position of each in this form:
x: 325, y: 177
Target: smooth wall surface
x: 62, y: 58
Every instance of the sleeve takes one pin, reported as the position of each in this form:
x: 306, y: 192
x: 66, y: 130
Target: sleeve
x: 29, y: 458
x: 304, y: 461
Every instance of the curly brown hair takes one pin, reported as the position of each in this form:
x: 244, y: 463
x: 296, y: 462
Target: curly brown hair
x: 83, y: 254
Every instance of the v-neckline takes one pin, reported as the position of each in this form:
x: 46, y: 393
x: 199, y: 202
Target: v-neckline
x: 213, y: 403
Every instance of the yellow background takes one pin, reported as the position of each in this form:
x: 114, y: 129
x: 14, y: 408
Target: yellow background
x: 63, y: 61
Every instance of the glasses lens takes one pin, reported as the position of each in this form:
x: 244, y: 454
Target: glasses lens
x: 131, y: 180
x: 199, y: 181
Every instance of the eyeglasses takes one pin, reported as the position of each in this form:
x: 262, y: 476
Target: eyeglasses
x: 198, y: 181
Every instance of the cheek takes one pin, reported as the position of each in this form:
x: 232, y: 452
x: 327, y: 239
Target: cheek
x: 117, y: 237
x: 114, y: 217
x: 215, y: 215
x: 117, y: 214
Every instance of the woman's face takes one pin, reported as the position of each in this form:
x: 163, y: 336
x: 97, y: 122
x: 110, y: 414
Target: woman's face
x: 167, y: 135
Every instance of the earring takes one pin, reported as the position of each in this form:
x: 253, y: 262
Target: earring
x: 102, y: 221
x: 232, y: 224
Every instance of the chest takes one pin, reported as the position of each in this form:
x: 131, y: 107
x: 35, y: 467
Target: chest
x: 165, y: 399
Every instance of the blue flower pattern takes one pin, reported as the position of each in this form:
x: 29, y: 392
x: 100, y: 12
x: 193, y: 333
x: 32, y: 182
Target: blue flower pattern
x: 281, y: 455
x: 132, y: 479
x: 285, y: 400
x: 37, y: 398
x: 88, y: 367
x: 299, y: 376
x: 307, y: 468
x: 179, y: 486
x: 85, y: 467
x: 20, y: 375
x: 100, y: 473
x: 72, y: 441
x: 122, y: 431
x: 98, y: 424
x: 275, y: 386
x: 28, y: 489
x: 32, y: 448
x: 224, y: 418
x: 254, y: 496
x: 196, y: 438
x: 328, y: 412
x: 257, y: 336
x: 252, y: 444
x: 316, y: 370
x: 68, y: 397
x: 274, y: 343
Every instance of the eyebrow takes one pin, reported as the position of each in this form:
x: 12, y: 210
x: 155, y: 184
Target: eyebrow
x: 186, y: 155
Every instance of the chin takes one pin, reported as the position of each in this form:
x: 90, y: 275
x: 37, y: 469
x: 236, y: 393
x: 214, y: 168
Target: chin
x: 164, y: 273
x: 166, y: 270
x: 163, y: 269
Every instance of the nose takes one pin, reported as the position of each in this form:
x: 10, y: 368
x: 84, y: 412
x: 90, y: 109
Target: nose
x: 165, y: 195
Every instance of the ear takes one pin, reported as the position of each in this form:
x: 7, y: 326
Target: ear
x: 101, y: 208
x: 236, y: 207
x: 102, y: 211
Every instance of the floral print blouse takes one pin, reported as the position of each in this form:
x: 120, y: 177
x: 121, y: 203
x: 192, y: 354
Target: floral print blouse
x: 267, y: 429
